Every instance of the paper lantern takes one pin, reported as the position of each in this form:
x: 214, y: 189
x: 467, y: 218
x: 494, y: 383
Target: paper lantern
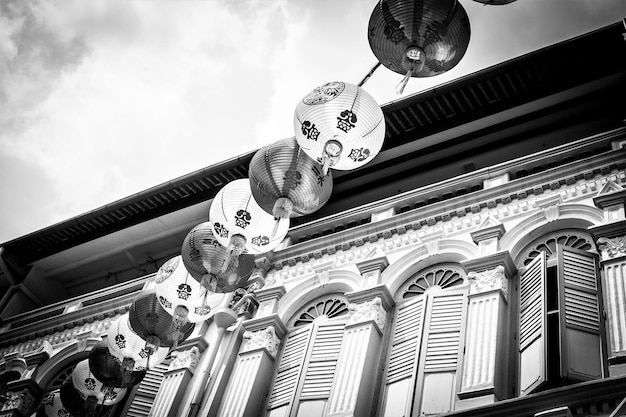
x: 88, y: 385
x: 181, y: 295
x: 135, y: 353
x: 286, y: 182
x: 148, y: 318
x: 204, y: 258
x: 419, y: 38
x: 52, y: 406
x: 339, y: 125
x: 110, y: 370
x: 240, y: 224
x: 79, y: 407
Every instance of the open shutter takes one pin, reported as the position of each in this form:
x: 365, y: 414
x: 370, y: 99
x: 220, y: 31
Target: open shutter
x: 145, y: 393
x: 289, y: 367
x: 321, y: 365
x: 443, y: 340
x: 532, y: 325
x: 580, y: 314
x: 403, y: 359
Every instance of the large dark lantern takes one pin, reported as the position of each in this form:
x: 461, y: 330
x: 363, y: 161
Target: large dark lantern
x: 286, y: 182
x: 110, y: 370
x: 206, y: 261
x: 419, y: 38
x: 77, y: 406
x: 148, y: 318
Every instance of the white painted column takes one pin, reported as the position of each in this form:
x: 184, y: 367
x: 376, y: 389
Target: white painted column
x: 174, y: 383
x: 355, y: 375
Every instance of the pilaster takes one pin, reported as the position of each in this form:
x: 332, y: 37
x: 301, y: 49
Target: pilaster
x: 175, y: 382
x: 355, y: 375
x: 371, y: 270
x: 485, y: 368
x: 611, y: 243
x: 248, y: 382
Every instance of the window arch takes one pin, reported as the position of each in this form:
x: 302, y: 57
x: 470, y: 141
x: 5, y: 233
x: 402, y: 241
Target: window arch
x: 309, y: 355
x: 560, y: 322
x: 425, y: 356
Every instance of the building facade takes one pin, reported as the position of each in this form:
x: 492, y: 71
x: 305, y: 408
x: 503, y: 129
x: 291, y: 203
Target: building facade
x: 477, y: 267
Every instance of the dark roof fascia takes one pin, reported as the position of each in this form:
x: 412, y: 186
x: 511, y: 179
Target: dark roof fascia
x: 203, y: 184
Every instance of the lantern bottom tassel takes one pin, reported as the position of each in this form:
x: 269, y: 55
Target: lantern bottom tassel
x: 404, y: 81
x: 235, y: 247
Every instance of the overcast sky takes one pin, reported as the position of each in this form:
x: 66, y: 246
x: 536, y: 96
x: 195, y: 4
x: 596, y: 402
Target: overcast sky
x: 102, y: 99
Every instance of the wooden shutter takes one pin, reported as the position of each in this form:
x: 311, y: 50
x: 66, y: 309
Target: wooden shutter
x: 532, y: 325
x: 288, y: 374
x: 142, y: 401
x: 403, y: 359
x: 322, y: 361
x: 437, y: 380
x: 580, y: 314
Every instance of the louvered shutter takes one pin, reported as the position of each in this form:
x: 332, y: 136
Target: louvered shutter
x: 443, y: 347
x: 288, y: 374
x: 532, y: 325
x: 320, y: 367
x: 580, y: 314
x: 142, y: 401
x: 403, y: 359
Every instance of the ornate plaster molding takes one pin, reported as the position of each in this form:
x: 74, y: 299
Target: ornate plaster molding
x: 612, y: 247
x: 492, y: 279
x: 262, y: 339
x: 184, y: 359
x: 372, y: 310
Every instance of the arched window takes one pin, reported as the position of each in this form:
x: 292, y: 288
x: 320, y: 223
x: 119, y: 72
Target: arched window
x: 424, y: 358
x: 308, y: 359
x: 561, y: 328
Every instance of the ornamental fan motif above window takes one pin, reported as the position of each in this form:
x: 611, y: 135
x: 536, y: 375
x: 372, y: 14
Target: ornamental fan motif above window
x: 443, y: 276
x: 548, y: 244
x: 330, y: 307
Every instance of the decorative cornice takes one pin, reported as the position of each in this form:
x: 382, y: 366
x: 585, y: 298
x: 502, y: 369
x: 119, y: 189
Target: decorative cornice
x: 488, y: 232
x: 371, y: 265
x: 609, y: 230
x: 270, y: 293
x: 264, y: 322
x: 489, y: 262
x: 379, y: 291
x: 611, y: 199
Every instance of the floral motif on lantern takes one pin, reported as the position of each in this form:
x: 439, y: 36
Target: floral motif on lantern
x: 242, y: 218
x: 260, y: 240
x: 358, y: 155
x: 165, y: 302
x: 324, y: 93
x: 110, y: 396
x: 310, y: 131
x: 184, y: 291
x: 90, y: 384
x: 202, y: 310
x: 63, y: 413
x: 294, y: 177
x: 220, y: 229
x: 166, y: 270
x: 120, y: 340
x: 346, y: 120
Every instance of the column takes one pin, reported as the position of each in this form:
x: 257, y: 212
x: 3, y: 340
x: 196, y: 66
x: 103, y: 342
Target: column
x: 175, y: 382
x: 611, y: 241
x: 357, y: 367
x: 486, y: 365
x: 249, y: 381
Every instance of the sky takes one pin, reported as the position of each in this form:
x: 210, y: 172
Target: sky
x: 102, y: 99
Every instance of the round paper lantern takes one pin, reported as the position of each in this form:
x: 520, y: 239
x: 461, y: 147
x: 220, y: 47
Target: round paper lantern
x: 135, y: 353
x: 79, y: 407
x: 52, y: 406
x: 286, y: 182
x: 148, y: 318
x: 204, y: 258
x: 110, y: 370
x: 240, y: 224
x: 419, y: 38
x: 88, y: 385
x: 339, y: 125
x: 181, y: 295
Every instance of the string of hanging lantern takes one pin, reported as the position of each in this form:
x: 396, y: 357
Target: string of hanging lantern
x: 337, y: 125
